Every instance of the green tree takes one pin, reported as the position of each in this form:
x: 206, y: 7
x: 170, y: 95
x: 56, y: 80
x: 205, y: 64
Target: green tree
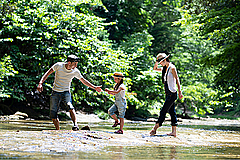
x: 39, y: 33
x: 220, y: 23
x: 6, y: 72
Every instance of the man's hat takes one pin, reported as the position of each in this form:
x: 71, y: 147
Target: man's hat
x: 72, y: 58
x: 118, y: 74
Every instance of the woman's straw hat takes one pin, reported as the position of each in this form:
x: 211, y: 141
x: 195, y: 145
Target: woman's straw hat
x: 161, y: 57
x: 118, y: 74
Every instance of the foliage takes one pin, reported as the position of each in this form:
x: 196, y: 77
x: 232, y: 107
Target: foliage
x: 141, y: 30
x: 221, y: 24
x: 6, y: 72
x: 129, y: 17
x: 109, y: 36
x: 38, y: 34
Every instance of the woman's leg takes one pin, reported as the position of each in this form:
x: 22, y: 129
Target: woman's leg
x: 168, y: 103
x: 173, y: 115
x: 56, y: 123
x: 154, y: 130
x: 174, y: 131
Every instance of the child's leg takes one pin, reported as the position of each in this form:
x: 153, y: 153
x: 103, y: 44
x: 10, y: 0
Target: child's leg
x: 121, y: 123
x: 111, y: 112
x: 121, y: 111
x: 114, y: 117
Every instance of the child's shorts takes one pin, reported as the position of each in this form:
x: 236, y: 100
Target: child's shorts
x: 119, y: 106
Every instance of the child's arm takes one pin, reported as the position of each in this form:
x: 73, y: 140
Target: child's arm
x: 114, y: 92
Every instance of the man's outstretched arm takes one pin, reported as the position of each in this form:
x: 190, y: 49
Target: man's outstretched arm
x: 44, y: 77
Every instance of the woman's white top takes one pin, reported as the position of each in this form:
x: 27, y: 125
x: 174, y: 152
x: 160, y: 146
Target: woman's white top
x: 171, y: 81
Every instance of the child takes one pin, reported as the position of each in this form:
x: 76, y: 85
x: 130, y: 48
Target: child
x: 120, y: 104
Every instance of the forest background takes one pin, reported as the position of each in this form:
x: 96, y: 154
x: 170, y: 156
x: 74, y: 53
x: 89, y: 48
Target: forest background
x: 202, y: 37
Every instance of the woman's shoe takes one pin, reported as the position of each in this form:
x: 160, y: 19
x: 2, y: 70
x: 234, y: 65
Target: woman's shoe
x: 115, y: 124
x: 119, y: 131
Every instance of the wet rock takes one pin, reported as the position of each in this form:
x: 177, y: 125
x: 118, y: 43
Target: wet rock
x: 86, y: 128
x: 139, y: 119
x: 152, y: 120
x: 21, y: 115
x: 16, y: 116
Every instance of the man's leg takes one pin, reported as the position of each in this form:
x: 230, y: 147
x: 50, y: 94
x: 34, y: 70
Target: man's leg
x: 54, y: 104
x: 67, y: 100
x: 73, y: 116
x: 56, y: 123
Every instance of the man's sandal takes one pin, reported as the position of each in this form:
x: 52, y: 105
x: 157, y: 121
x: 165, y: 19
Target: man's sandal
x: 75, y: 128
x: 115, y: 124
x: 119, y: 131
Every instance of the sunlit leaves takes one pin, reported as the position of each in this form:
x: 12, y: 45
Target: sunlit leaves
x: 6, y: 72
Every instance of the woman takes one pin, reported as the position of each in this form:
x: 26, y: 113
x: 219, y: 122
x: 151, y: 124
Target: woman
x: 170, y: 79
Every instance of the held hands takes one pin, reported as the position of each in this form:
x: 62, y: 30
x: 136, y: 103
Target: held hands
x: 109, y: 91
x: 98, y: 88
x: 106, y: 89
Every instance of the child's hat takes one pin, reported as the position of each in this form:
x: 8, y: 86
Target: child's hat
x: 118, y: 74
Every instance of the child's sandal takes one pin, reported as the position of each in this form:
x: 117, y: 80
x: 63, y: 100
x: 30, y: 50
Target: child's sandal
x: 115, y: 124
x: 119, y: 131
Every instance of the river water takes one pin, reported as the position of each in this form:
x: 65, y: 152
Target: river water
x: 196, y: 139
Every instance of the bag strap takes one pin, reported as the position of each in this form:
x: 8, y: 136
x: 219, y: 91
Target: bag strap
x: 167, y: 72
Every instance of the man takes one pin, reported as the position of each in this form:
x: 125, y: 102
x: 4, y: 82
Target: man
x: 64, y: 73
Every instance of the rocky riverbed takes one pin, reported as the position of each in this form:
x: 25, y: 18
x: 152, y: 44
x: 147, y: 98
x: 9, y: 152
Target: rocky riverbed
x: 38, y: 139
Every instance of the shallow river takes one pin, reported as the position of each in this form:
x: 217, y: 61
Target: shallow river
x: 196, y: 139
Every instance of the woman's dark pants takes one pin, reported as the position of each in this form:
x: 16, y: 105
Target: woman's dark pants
x: 168, y: 106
